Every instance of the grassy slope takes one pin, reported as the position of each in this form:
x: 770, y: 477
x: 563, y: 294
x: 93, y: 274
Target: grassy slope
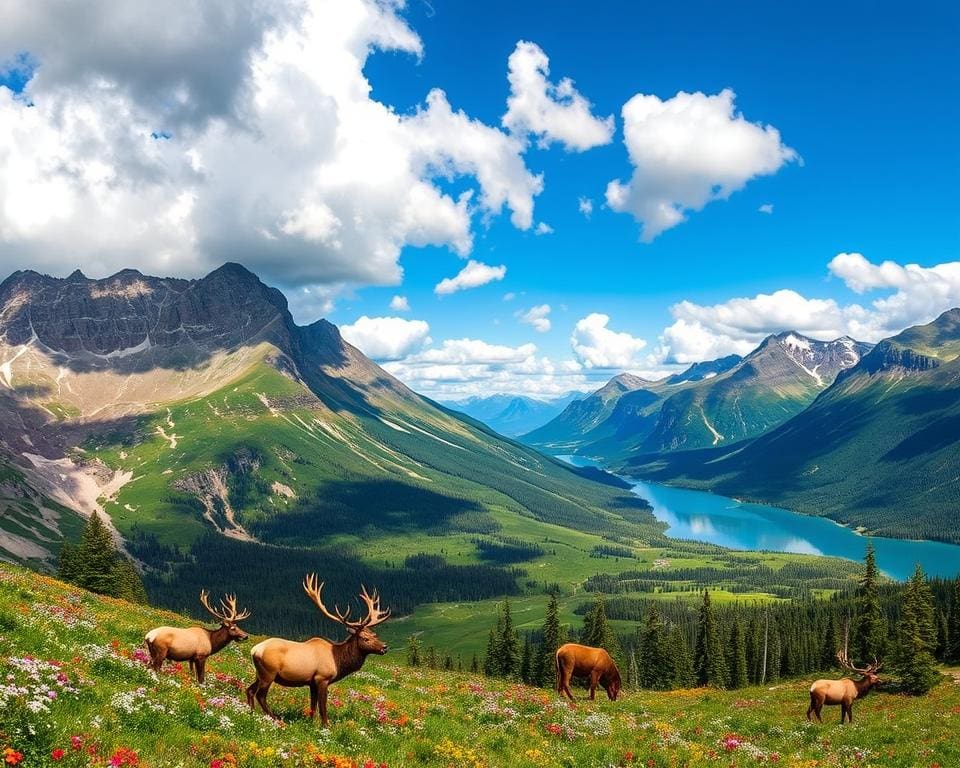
x: 396, y: 715
x: 875, y: 450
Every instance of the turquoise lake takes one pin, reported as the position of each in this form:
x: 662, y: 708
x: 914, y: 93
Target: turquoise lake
x: 703, y: 516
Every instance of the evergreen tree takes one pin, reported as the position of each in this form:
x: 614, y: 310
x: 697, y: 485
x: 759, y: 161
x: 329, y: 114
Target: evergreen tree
x: 491, y: 666
x: 448, y: 663
x: 552, y: 639
x: 953, y: 626
x: 832, y: 643
x: 475, y: 665
x: 526, y: 661
x: 633, y: 668
x: 597, y: 631
x: 683, y: 674
x: 414, y: 651
x: 870, y: 630
x: 737, y: 662
x: 774, y: 653
x: 656, y: 666
x: 95, y: 564
x: 431, y: 657
x: 508, y: 645
x: 708, y: 660
x: 917, y: 636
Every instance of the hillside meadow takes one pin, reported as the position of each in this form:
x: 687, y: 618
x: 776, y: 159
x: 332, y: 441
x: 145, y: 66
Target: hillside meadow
x: 76, y: 691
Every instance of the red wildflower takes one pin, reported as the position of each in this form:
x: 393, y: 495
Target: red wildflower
x: 57, y: 754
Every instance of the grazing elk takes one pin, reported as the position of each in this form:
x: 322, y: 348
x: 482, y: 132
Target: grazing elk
x: 317, y: 662
x: 583, y: 661
x: 843, y: 691
x: 196, y: 644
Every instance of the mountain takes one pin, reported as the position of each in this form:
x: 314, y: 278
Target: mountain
x: 220, y: 439
x: 879, y: 448
x: 513, y: 415
x: 587, y: 418
x: 712, y: 403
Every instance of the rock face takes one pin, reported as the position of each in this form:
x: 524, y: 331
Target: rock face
x: 104, y: 322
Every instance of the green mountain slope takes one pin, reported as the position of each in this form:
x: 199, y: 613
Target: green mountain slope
x: 714, y: 403
x: 880, y: 448
x: 223, y: 441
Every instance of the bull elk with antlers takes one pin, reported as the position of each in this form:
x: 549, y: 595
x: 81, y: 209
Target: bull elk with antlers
x: 317, y: 662
x: 196, y: 644
x: 844, y: 691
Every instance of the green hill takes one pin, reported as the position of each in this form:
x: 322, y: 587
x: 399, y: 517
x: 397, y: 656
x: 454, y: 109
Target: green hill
x: 715, y: 403
x: 878, y: 449
x: 76, y: 692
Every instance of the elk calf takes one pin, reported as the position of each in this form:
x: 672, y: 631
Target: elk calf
x: 844, y: 691
x: 584, y: 661
x: 196, y: 644
x: 317, y: 662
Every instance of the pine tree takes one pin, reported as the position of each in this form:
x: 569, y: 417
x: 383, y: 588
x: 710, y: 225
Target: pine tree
x: 491, y: 666
x: 656, y: 666
x: 708, y: 657
x: 431, y: 658
x: 917, y: 636
x: 633, y: 668
x: 870, y: 630
x: 737, y: 663
x: 414, y: 651
x: 475, y: 665
x: 526, y: 660
x: 683, y: 674
x: 95, y: 564
x: 508, y: 645
x: 774, y: 653
x: 953, y: 626
x: 831, y: 644
x: 552, y: 639
x: 448, y: 663
x: 599, y: 633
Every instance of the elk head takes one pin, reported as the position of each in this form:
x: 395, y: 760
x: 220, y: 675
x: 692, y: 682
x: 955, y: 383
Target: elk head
x: 868, y: 673
x: 227, y: 614
x: 361, y: 629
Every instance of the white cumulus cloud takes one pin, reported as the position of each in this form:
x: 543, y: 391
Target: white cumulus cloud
x: 399, y: 304
x: 386, y: 338
x: 597, y: 346
x: 473, y: 275
x: 686, y: 152
x: 538, y: 317
x: 585, y: 206
x: 551, y: 112
x: 175, y: 137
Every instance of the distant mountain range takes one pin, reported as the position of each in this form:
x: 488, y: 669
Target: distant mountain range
x: 879, y: 448
x: 711, y: 403
x: 513, y: 415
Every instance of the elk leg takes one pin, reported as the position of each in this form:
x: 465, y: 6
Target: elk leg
x: 322, y: 689
x: 314, y: 694
x: 200, y: 666
x: 251, y: 691
x: 563, y: 682
x: 262, y: 692
x: 594, y: 679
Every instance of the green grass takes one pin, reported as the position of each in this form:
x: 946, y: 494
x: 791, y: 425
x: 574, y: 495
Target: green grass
x: 87, y: 649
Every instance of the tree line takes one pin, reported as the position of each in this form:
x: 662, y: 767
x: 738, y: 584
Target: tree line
x: 675, y: 645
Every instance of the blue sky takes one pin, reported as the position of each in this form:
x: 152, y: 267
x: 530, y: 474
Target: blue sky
x: 865, y: 93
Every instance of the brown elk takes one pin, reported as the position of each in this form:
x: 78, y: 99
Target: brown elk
x: 843, y: 691
x: 317, y: 662
x: 584, y: 661
x: 196, y: 644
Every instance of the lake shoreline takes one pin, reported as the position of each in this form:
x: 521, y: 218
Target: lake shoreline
x: 694, y: 514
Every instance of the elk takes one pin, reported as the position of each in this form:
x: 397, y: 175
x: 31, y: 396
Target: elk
x: 584, y: 661
x: 845, y: 690
x: 196, y: 644
x: 317, y: 662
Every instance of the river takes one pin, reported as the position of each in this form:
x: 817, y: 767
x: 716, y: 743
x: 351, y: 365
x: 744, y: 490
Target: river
x: 703, y: 516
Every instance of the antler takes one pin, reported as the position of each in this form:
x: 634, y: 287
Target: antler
x: 868, y: 670
x: 374, y: 614
x: 314, y: 590
x: 228, y: 613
